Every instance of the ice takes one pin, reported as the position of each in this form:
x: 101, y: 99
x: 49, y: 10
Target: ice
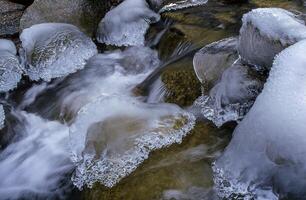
x: 7, y: 45
x: 115, y: 134
x: 10, y: 68
x: 126, y: 24
x: 182, y: 4
x: 35, y: 164
x: 54, y: 50
x: 232, y: 97
x: 267, y: 152
x: 276, y: 24
x: 2, y: 116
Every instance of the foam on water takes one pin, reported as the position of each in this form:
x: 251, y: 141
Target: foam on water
x: 267, y: 152
x: 126, y: 24
x: 34, y: 165
x: 54, y: 50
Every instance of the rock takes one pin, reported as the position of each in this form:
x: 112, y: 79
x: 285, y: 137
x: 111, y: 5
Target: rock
x: 210, y: 62
x: 127, y: 24
x: 232, y: 97
x: 54, y: 50
x: 10, y: 67
x: 10, y: 14
x: 266, y: 32
x: 84, y: 14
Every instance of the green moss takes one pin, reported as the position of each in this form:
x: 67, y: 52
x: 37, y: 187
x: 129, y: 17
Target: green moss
x: 182, y: 86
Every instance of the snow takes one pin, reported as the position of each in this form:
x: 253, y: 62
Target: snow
x: 7, y: 45
x: 54, y: 50
x: 269, y: 144
x: 276, y: 24
x: 127, y: 24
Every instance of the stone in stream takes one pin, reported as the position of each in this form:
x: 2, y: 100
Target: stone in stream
x: 266, y: 32
x: 10, y: 67
x: 211, y: 61
x: 10, y: 14
x: 232, y: 97
x: 84, y: 14
x: 126, y: 24
x: 54, y: 50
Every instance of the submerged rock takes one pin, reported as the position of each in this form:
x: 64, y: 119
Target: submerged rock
x: 120, y: 136
x: 54, y: 50
x: 10, y: 14
x: 233, y: 96
x: 266, y: 32
x: 127, y: 24
x: 84, y: 14
x: 211, y: 61
x: 267, y: 152
x: 10, y: 68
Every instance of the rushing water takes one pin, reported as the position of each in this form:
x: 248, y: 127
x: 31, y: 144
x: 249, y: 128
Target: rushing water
x: 92, y: 127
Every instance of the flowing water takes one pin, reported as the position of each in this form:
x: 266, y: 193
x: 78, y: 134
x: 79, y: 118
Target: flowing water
x: 91, y: 136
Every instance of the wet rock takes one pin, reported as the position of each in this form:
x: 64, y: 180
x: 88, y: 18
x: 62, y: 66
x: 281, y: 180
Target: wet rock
x: 127, y: 24
x: 54, y: 50
x: 211, y: 61
x: 84, y: 14
x: 10, y: 14
x: 232, y: 97
x: 266, y: 32
x: 10, y: 67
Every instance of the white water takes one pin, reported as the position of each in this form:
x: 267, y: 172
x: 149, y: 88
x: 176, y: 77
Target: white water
x: 268, y: 148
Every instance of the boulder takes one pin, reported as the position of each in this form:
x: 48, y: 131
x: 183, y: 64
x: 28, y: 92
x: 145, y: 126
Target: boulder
x: 84, y: 14
x: 266, y: 32
x: 53, y: 50
x: 10, y: 14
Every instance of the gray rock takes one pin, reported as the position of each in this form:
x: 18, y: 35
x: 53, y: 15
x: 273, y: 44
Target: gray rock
x: 84, y: 14
x: 212, y: 60
x: 10, y: 14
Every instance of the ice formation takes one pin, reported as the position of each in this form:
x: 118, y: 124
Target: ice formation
x: 266, y: 32
x: 10, y: 68
x: 2, y: 116
x: 182, y: 4
x: 53, y: 50
x: 115, y: 134
x: 267, y: 152
x: 126, y: 24
x: 232, y: 97
x: 36, y: 163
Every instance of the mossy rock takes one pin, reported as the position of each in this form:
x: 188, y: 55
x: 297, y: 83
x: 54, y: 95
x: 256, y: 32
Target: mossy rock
x: 182, y: 86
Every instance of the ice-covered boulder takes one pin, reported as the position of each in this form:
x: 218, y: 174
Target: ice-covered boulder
x: 10, y: 67
x: 266, y: 32
x: 211, y: 61
x: 232, y: 97
x: 53, y: 50
x: 267, y: 152
x: 113, y: 135
x: 10, y: 14
x: 126, y: 24
x: 84, y: 14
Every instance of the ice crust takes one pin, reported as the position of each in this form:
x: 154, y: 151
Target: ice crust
x: 54, y: 50
x: 126, y: 24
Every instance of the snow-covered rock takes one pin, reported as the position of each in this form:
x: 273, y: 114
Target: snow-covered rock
x: 126, y: 24
x: 53, y: 50
x: 268, y: 149
x: 10, y: 67
x: 266, y: 32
